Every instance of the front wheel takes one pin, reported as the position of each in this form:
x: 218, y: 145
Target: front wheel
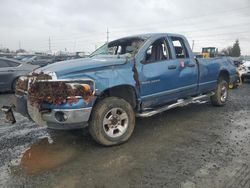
x: 221, y: 93
x: 112, y: 121
x: 13, y: 85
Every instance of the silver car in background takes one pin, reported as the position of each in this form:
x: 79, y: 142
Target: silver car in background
x: 10, y: 71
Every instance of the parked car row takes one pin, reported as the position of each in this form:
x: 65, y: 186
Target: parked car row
x: 43, y: 60
x: 15, y: 66
x: 10, y: 71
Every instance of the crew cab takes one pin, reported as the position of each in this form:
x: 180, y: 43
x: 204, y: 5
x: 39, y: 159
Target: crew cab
x: 137, y: 76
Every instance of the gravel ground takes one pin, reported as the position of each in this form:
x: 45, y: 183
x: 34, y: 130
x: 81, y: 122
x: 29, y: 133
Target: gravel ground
x: 194, y: 146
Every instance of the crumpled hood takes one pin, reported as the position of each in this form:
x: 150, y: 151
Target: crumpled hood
x: 80, y: 65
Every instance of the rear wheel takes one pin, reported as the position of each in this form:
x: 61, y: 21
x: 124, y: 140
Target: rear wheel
x: 112, y: 121
x: 221, y: 93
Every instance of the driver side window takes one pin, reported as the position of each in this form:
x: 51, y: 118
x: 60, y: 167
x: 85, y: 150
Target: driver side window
x: 158, y: 51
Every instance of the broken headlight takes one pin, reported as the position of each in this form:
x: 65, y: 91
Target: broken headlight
x: 60, y: 91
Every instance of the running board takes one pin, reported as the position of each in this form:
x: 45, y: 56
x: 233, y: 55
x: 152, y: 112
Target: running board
x: 181, y: 102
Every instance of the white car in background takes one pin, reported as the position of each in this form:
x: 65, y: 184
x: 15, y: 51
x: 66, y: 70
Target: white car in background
x: 244, y: 70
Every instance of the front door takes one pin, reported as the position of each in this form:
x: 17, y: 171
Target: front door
x: 158, y: 75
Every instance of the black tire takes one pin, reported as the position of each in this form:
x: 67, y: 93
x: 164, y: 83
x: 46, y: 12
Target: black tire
x: 242, y: 79
x: 221, y: 93
x: 104, y: 111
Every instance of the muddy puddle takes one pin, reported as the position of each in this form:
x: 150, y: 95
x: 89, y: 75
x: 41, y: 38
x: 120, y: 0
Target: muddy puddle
x: 44, y: 156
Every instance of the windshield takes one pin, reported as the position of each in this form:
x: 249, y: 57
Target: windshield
x: 127, y: 47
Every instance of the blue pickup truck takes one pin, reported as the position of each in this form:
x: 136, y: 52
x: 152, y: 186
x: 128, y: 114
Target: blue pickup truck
x: 137, y: 76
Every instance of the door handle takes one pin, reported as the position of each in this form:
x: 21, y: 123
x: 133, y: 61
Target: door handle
x: 172, y: 67
x: 10, y: 70
x: 191, y: 65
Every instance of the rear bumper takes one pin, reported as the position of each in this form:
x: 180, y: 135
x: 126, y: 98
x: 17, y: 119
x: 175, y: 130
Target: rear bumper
x: 75, y: 118
x: 234, y: 79
x: 246, y: 75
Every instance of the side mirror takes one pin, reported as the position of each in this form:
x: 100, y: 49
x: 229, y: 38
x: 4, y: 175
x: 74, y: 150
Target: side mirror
x: 143, y: 61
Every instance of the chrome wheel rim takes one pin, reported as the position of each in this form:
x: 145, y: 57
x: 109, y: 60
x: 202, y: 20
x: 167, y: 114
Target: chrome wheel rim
x: 224, y: 93
x: 115, y: 122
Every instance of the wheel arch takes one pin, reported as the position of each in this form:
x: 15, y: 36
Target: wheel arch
x: 12, y: 84
x: 126, y: 92
x: 224, y: 74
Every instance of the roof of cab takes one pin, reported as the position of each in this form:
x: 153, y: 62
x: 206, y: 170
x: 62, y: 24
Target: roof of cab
x: 150, y: 35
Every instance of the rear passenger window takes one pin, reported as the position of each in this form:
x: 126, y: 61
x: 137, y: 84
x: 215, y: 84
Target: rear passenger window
x: 13, y: 64
x: 179, y: 47
x: 3, y: 63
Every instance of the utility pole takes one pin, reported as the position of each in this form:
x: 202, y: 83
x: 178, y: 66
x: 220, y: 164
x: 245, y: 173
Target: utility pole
x: 49, y: 45
x: 192, y: 45
x: 107, y: 35
x: 19, y: 44
x: 75, y: 45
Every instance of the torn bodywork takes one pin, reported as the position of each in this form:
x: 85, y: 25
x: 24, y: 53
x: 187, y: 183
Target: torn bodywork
x: 136, y: 75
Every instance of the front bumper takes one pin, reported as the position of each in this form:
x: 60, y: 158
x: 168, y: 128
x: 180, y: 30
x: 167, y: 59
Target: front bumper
x: 20, y: 105
x: 76, y: 118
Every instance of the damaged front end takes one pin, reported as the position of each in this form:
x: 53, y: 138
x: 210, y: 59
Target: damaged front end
x: 58, y: 104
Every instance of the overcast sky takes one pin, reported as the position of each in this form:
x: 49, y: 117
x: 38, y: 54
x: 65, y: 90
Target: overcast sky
x: 81, y: 25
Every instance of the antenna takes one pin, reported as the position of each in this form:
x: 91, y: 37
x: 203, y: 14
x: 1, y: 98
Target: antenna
x: 49, y: 45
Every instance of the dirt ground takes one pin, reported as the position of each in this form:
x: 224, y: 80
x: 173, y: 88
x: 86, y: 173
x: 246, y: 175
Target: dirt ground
x: 194, y: 146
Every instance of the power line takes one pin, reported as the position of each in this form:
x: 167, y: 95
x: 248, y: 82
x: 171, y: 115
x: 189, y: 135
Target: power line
x: 183, y: 19
x: 171, y: 26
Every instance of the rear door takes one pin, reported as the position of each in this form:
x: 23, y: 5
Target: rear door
x: 187, y: 68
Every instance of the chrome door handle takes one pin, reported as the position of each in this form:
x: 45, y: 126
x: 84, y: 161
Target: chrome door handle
x: 172, y: 67
x: 191, y: 65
